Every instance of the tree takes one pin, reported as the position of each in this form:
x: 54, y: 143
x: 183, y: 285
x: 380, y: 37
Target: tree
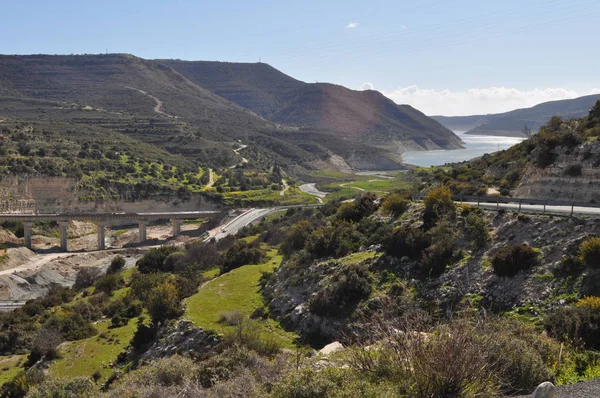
x: 595, y: 111
x: 527, y: 131
x: 438, y: 204
x: 164, y: 303
x: 116, y: 265
x: 86, y: 277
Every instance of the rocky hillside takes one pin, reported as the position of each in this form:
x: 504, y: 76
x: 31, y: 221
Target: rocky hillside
x: 512, y: 123
x: 561, y: 162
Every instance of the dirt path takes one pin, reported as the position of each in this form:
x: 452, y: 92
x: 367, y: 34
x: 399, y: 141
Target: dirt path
x: 159, y: 104
x: 357, y: 188
x: 211, y: 178
x: 285, y: 187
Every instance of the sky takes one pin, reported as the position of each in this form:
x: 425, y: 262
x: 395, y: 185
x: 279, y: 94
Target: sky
x: 445, y: 57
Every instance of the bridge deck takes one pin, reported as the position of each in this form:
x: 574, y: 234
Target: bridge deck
x: 182, y: 215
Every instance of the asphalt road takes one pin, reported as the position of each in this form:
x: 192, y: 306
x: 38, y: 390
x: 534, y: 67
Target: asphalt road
x: 233, y: 226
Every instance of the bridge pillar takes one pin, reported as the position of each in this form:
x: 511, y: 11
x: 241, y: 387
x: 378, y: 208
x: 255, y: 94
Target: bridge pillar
x: 62, y: 226
x: 142, y: 234
x: 101, y: 225
x: 176, y: 227
x: 27, y: 233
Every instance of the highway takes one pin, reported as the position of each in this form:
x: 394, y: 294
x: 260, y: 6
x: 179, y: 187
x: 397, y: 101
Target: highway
x: 244, y: 219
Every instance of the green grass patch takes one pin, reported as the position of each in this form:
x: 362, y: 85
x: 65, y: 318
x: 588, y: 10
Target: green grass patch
x: 237, y: 290
x: 358, y: 257
x: 250, y: 239
x: 84, y: 357
x: 211, y: 273
x: 10, y: 366
x: 195, y: 222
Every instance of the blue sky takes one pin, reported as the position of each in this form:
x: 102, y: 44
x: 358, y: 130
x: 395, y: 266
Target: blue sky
x: 448, y: 57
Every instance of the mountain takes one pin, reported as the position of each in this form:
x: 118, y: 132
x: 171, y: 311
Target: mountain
x: 512, y: 123
x: 198, y: 109
x: 365, y: 116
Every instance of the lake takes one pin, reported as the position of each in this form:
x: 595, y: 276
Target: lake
x: 475, y: 146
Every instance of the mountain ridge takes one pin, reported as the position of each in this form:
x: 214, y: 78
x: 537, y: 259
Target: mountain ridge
x: 513, y: 122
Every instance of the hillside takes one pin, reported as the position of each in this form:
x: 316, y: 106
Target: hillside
x: 561, y: 162
x: 366, y: 116
x: 512, y: 123
x: 200, y: 114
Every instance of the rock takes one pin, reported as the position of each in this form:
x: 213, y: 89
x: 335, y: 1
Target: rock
x: 331, y: 348
x: 544, y: 390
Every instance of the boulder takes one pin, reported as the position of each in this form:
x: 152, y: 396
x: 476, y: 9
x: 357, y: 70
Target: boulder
x: 331, y: 348
x: 544, y: 390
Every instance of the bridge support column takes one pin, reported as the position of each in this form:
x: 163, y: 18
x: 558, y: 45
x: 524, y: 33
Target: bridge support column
x: 176, y: 227
x: 142, y: 234
x: 101, y: 225
x: 27, y: 234
x: 62, y: 226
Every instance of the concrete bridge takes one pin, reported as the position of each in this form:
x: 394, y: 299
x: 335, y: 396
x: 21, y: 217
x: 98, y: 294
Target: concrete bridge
x: 102, y: 220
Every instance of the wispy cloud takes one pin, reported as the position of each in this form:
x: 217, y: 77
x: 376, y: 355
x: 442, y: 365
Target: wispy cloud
x: 367, y: 86
x: 478, y: 100
x: 352, y: 25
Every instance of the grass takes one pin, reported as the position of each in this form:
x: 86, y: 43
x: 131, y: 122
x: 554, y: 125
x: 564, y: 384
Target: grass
x: 358, y: 257
x: 195, y: 222
x: 211, y: 273
x: 237, y: 290
x: 259, y: 197
x: 84, y: 357
x: 10, y: 366
x: 250, y: 239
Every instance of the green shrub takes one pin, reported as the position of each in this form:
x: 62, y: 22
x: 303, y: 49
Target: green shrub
x: 573, y: 170
x: 395, y: 204
x: 242, y: 253
x: 153, y: 260
x: 441, y: 251
x: 408, y: 241
x: 578, y: 324
x: 477, y: 229
x: 248, y: 334
x: 86, y: 277
x: 164, y: 303
x: 589, y: 253
x: 510, y: 260
x: 347, y: 287
x: 109, y: 283
x: 438, y: 204
x: 116, y: 265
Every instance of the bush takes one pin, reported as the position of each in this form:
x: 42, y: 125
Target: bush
x: 72, y: 387
x: 153, y: 260
x: 116, y: 265
x: 438, y: 204
x: 109, y: 283
x: 395, y: 204
x: 407, y: 241
x: 589, y: 253
x: 86, y: 277
x: 164, y: 303
x: 334, y: 240
x: 348, y: 286
x: 231, y: 318
x: 72, y: 326
x: 242, y: 253
x: 248, y: 334
x: 477, y: 229
x: 439, y: 254
x: 579, y: 324
x: 573, y: 170
x: 510, y: 260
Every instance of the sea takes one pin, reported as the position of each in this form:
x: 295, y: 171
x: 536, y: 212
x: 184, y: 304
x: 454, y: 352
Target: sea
x: 475, y: 146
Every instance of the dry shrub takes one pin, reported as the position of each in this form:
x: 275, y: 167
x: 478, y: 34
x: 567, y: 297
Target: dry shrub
x: 231, y: 318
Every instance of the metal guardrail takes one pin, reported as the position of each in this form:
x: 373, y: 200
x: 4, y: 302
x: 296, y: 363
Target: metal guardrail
x: 518, y: 201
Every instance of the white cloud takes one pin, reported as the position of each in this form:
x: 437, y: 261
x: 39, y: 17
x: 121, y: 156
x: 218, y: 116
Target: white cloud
x: 352, y: 25
x: 477, y: 100
x: 367, y: 86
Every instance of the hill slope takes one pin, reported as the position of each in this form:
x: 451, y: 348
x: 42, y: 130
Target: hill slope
x: 366, y: 116
x: 512, y: 123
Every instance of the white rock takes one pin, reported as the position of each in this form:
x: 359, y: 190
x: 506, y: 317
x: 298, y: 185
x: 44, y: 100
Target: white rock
x: 544, y: 390
x: 331, y: 348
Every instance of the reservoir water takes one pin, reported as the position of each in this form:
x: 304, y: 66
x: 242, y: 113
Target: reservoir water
x: 475, y: 146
